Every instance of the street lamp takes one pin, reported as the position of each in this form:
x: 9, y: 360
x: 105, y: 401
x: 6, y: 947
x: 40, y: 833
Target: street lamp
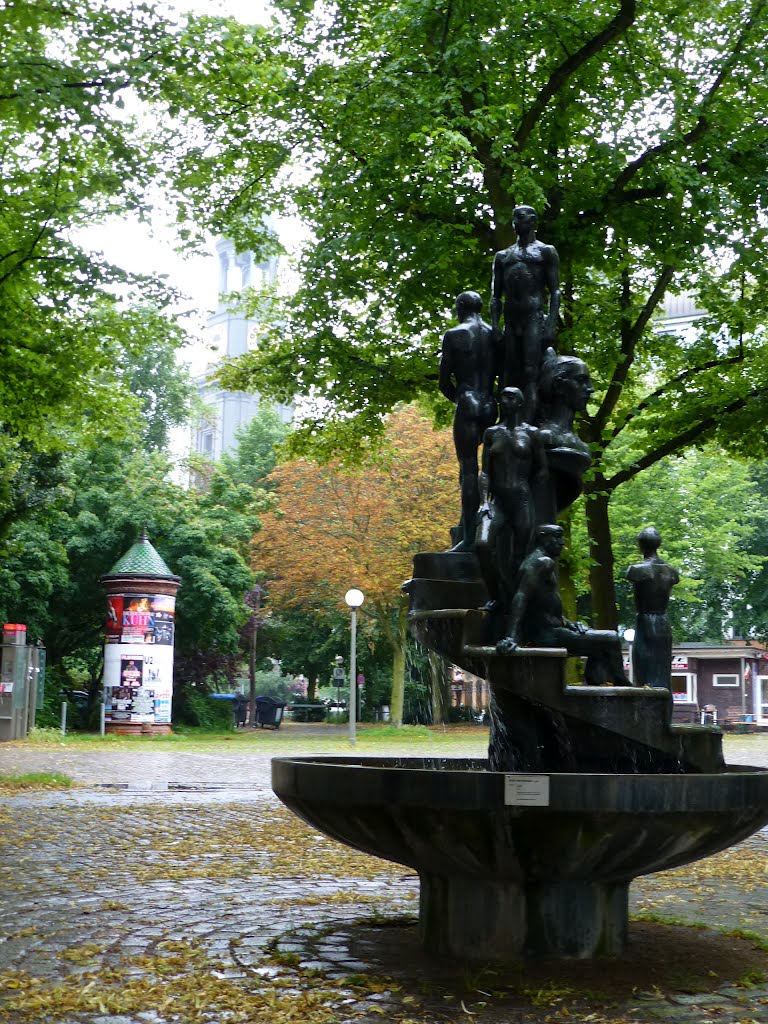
x: 629, y: 636
x: 354, y: 599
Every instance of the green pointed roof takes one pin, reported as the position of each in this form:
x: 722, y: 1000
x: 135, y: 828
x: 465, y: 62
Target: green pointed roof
x: 141, y: 560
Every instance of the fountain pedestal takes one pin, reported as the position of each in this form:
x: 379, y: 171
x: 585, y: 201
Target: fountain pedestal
x: 531, y: 852
x: 484, y: 920
x: 514, y: 864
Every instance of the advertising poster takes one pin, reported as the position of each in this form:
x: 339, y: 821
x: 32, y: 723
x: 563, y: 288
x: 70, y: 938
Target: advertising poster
x: 138, y: 620
x: 143, y: 709
x: 138, y: 683
x: 119, y: 704
x: 131, y: 671
x: 162, y: 707
x: 141, y: 619
x: 114, y: 618
x: 164, y: 608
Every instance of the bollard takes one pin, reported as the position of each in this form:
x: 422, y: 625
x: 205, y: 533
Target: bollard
x: 63, y: 718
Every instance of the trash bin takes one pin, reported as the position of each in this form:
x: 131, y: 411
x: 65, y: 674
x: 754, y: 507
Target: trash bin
x: 269, y: 712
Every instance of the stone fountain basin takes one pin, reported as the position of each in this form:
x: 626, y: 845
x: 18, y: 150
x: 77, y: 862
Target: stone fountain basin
x: 452, y: 817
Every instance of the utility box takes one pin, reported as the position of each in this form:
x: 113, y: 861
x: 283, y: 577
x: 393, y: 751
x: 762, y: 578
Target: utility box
x: 22, y: 675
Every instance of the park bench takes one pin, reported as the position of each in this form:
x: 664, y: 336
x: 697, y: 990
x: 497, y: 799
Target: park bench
x: 735, y: 720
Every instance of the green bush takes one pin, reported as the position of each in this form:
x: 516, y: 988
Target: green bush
x: 200, y: 710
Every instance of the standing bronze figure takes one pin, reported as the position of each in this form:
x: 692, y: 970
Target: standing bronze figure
x: 512, y: 467
x: 468, y: 370
x: 653, y: 580
x: 526, y: 291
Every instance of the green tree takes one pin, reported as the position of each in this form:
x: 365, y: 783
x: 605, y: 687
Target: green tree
x: 636, y: 128
x: 750, y: 614
x: 69, y: 156
x: 255, y: 454
x: 103, y: 493
x: 712, y: 518
x: 307, y: 638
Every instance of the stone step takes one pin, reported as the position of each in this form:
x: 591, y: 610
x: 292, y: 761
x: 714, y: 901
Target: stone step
x: 638, y: 718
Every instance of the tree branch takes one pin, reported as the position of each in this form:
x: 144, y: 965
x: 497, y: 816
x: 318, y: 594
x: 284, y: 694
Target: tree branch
x: 682, y: 440
x: 623, y: 19
x: 630, y: 335
x: 671, y: 385
x: 39, y: 236
x: 616, y: 192
x: 94, y: 83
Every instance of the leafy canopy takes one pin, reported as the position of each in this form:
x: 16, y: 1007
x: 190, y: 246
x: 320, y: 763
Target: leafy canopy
x: 70, y: 155
x: 405, y: 135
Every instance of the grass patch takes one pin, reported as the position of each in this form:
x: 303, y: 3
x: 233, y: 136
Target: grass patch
x: 292, y: 737
x: 653, y: 917
x: 35, y: 780
x: 749, y: 936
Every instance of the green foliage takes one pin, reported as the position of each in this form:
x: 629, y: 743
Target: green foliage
x: 70, y: 156
x: 711, y: 514
x: 410, y: 133
x: 750, y: 615
x: 307, y: 638
x: 73, y: 524
x: 273, y: 683
x: 418, y: 130
x: 198, y: 709
x: 257, y: 448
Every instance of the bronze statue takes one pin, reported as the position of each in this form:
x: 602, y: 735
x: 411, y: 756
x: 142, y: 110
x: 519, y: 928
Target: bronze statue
x: 526, y: 289
x: 537, y: 619
x: 653, y: 580
x: 565, y: 389
x: 468, y: 370
x: 513, y: 466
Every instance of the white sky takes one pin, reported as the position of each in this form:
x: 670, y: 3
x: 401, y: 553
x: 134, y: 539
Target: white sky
x: 150, y: 248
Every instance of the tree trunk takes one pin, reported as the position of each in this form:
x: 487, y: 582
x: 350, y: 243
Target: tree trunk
x: 573, y: 668
x: 604, y: 612
x: 398, y: 668
x: 567, y: 583
x: 438, y: 677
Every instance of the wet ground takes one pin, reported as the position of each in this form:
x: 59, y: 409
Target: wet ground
x: 135, y: 901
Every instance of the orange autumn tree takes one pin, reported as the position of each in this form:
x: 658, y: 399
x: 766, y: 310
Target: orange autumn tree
x: 336, y: 528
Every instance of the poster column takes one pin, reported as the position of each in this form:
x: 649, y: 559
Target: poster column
x: 138, y: 649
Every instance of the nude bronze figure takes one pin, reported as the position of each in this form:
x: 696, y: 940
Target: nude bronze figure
x: 653, y: 580
x: 526, y: 292
x: 468, y: 370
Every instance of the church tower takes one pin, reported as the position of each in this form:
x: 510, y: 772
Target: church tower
x: 231, y: 334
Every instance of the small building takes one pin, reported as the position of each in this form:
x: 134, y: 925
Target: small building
x: 731, y: 677
x: 468, y: 691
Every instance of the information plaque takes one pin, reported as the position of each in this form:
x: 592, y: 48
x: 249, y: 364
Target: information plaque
x: 526, y: 790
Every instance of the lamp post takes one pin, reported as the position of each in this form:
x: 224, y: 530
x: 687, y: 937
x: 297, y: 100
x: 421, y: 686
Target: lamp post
x: 354, y: 599
x: 629, y: 636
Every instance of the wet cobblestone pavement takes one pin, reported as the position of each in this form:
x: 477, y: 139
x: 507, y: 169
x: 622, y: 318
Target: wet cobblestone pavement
x: 151, y: 905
